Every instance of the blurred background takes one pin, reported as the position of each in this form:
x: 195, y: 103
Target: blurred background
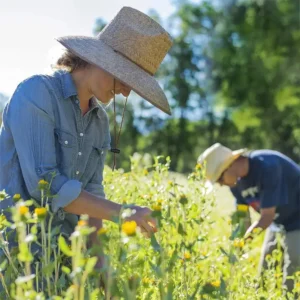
x: 232, y: 75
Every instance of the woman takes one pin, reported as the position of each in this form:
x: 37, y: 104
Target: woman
x: 54, y: 129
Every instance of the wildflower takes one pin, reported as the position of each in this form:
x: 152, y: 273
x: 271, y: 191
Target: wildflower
x: 183, y: 199
x: 257, y: 230
x: 3, y: 195
x: 268, y: 257
x: 129, y: 228
x: 216, y: 283
x: 238, y: 243
x: 170, y: 182
x: 145, y: 172
x: 198, y: 166
x: 156, y: 207
x: 82, y: 223
x: 159, y: 201
x: 16, y: 197
x: 203, y: 253
x: 148, y: 281
x: 297, y: 285
x: 242, y: 207
x: 187, y: 255
x: 102, y: 231
x: 43, y: 184
x: 23, y: 210
x: 41, y: 213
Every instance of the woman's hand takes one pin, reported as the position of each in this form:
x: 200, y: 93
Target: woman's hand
x: 143, y: 218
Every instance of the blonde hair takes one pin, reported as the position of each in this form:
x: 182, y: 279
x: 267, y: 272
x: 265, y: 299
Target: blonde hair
x: 70, y: 62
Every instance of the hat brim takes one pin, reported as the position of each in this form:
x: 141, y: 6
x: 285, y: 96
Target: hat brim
x: 235, y: 155
x: 95, y: 52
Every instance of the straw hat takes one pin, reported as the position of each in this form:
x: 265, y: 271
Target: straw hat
x: 217, y: 159
x: 131, y: 48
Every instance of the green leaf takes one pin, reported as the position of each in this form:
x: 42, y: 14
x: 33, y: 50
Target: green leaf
x: 181, y: 230
x: 91, y: 264
x: 66, y: 269
x: 155, y: 244
x: 64, y: 246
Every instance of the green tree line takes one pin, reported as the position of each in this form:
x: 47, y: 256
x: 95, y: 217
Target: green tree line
x: 232, y: 76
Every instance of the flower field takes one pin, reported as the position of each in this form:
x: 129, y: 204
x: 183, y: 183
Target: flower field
x: 197, y: 253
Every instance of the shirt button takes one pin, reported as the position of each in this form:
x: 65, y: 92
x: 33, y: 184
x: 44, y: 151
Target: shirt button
x: 79, y: 153
x: 66, y: 142
x: 81, y: 134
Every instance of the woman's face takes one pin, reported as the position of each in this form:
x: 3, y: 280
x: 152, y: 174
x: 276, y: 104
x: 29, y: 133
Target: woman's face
x: 102, y: 85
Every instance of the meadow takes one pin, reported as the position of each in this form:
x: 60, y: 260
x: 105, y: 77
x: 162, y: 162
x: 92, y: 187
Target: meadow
x: 197, y: 253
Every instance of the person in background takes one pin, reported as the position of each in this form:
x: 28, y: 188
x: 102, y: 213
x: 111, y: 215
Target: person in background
x: 269, y: 182
x: 55, y: 124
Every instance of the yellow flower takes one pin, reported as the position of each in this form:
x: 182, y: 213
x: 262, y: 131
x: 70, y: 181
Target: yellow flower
x: 257, y: 230
x: 145, y: 172
x: 297, y: 273
x: 16, y: 197
x: 129, y: 228
x: 203, y: 253
x: 238, y: 243
x: 159, y: 201
x: 23, y: 210
x: 82, y: 223
x: 148, y: 281
x: 156, y: 207
x: 43, y: 184
x: 242, y: 207
x: 41, y: 212
x: 187, y: 255
x: 297, y: 285
x: 102, y: 231
x: 198, y: 166
x: 216, y: 283
x: 183, y: 199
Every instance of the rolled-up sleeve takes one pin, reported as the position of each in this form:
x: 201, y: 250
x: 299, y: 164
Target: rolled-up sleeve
x: 31, y: 122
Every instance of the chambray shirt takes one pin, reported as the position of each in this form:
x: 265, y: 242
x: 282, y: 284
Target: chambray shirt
x: 44, y: 135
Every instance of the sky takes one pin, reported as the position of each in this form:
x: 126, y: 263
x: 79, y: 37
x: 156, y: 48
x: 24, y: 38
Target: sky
x: 28, y: 29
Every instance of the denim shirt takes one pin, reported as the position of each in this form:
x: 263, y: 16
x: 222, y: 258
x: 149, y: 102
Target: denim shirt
x: 43, y: 133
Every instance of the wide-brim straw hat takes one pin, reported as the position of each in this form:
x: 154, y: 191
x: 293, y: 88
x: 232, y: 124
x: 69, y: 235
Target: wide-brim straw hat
x: 216, y: 159
x: 130, y: 48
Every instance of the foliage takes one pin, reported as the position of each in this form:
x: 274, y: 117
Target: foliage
x: 188, y: 258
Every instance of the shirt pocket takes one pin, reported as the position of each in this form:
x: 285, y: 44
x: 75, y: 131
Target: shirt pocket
x: 95, y: 161
x: 65, y: 148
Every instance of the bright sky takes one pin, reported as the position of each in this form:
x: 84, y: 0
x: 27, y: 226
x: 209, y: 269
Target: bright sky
x: 28, y: 29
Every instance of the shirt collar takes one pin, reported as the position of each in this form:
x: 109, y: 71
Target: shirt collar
x: 94, y: 105
x: 69, y: 90
x: 67, y: 83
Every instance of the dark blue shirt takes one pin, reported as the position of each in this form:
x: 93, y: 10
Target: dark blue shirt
x: 273, y: 180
